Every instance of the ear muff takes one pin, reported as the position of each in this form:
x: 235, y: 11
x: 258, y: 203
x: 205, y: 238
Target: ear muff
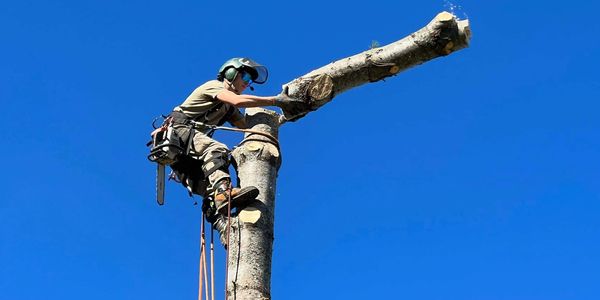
x: 230, y: 73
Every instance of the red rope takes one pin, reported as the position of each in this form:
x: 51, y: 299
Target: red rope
x: 200, y: 264
x: 212, y: 263
x: 228, y: 235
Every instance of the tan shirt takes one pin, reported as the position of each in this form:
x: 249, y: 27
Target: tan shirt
x: 204, y: 99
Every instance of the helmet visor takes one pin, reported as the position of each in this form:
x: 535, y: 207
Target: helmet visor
x: 259, y: 72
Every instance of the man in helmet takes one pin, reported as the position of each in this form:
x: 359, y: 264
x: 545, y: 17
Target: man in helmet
x: 214, y: 103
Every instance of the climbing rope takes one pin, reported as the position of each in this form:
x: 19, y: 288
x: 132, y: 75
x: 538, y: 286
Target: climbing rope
x: 213, y: 128
x: 202, y: 276
x: 202, y: 266
x: 228, y: 235
x: 212, y: 262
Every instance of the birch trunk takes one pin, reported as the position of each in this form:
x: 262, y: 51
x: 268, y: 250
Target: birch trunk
x: 257, y: 160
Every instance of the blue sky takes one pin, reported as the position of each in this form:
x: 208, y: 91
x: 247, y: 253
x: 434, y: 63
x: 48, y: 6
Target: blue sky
x: 473, y: 176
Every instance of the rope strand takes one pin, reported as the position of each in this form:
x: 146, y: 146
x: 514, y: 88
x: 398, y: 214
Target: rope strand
x: 272, y: 139
x: 200, y: 264
x: 205, y: 275
x: 228, y: 234
x: 212, y: 263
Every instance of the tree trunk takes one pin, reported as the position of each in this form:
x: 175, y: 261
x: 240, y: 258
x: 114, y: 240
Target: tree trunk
x: 442, y: 36
x: 257, y: 159
x: 251, y: 239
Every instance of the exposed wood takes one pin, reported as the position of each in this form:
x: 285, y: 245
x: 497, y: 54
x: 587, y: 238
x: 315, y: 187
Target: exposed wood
x: 250, y: 215
x: 443, y: 35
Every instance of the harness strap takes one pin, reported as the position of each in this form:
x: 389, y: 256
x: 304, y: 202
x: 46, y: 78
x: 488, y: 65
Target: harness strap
x: 190, y: 139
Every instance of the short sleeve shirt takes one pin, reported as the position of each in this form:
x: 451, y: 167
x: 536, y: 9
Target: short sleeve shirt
x: 203, y: 102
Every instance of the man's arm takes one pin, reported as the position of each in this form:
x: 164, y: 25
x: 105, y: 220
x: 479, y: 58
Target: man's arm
x: 292, y: 108
x: 245, y: 100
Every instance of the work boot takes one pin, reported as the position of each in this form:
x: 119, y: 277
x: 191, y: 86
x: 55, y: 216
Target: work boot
x: 217, y: 220
x: 239, y: 197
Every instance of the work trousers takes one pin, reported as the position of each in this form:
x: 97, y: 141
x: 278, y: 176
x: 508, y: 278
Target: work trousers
x: 212, y: 154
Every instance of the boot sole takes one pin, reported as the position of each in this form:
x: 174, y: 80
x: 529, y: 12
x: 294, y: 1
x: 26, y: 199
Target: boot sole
x: 244, y: 197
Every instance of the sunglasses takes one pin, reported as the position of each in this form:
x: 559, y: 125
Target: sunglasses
x: 246, y: 77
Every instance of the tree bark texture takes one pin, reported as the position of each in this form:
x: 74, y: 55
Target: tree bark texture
x: 442, y: 36
x: 257, y: 160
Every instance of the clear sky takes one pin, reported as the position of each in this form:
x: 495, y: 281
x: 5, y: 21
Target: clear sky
x: 473, y: 176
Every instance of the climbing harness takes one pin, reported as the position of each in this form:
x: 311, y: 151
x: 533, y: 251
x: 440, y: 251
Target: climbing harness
x: 168, y: 147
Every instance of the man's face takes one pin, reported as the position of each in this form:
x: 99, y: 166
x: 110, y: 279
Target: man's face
x: 242, y: 81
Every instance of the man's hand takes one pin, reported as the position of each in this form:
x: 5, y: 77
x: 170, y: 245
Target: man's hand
x: 293, y: 108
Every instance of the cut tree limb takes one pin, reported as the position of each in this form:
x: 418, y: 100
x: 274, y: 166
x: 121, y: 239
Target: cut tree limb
x: 443, y: 35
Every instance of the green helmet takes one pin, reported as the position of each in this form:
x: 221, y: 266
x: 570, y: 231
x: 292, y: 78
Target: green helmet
x: 231, y: 67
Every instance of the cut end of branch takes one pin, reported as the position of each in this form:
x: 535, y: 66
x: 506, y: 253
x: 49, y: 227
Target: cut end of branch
x: 249, y: 215
x: 462, y: 26
x: 320, y: 89
x: 444, y: 16
x: 449, y: 48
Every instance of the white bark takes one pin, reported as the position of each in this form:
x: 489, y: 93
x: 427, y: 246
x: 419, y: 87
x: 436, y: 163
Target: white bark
x: 442, y: 36
x: 251, y: 238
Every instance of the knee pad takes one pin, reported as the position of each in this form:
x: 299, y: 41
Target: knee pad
x: 215, y: 162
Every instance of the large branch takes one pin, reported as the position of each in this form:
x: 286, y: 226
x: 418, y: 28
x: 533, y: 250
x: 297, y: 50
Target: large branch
x: 442, y: 36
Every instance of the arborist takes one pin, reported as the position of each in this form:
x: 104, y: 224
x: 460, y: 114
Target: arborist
x: 204, y: 167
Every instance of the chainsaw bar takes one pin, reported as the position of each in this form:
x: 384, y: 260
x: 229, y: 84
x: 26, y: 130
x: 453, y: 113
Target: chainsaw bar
x: 160, y: 184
